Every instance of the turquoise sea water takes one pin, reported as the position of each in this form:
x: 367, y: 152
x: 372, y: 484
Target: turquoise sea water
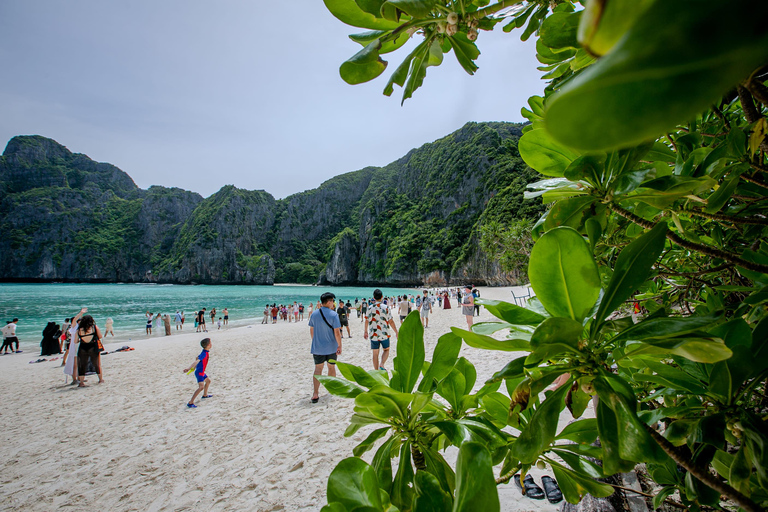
x: 37, y: 304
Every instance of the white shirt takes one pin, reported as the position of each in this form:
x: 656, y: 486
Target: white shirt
x: 9, y: 331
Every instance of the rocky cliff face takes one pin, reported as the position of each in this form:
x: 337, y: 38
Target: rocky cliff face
x: 67, y: 217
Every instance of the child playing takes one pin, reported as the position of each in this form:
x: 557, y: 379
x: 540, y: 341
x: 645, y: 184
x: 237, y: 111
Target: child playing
x: 219, y: 323
x: 203, y: 381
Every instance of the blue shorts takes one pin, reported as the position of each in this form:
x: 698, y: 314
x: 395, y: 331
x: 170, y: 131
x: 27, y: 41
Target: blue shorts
x: 375, y: 344
x: 200, y: 378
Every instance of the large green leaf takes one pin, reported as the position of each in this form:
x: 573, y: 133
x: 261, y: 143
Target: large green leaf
x: 383, y: 402
x: 429, y: 495
x: 414, y: 8
x: 339, y: 387
x: 402, y: 490
x: 350, y: 13
x: 357, y: 374
x: 559, y: 30
x: 465, y: 50
x: 540, y: 151
x: 513, y: 369
x: 486, y: 342
x: 575, y: 485
x: 555, y: 336
x: 443, y: 359
x: 363, y: 66
x: 663, y: 328
x: 569, y: 212
x: 540, y: 431
x: 631, y: 270
x: 387, y: 46
x: 563, y: 274
x: 382, y: 462
x: 608, y: 429
x: 443, y: 471
x: 353, y: 483
x: 466, y: 430
x: 582, y: 431
x: 661, y: 73
x: 410, y: 352
x: 452, y: 388
x: 475, y: 483
x: 511, y: 313
x: 497, y: 406
x: 367, y: 443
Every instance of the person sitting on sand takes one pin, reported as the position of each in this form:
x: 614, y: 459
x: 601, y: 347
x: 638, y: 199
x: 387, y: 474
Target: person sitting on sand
x: 325, y: 331
x: 88, y: 336
x: 203, y: 381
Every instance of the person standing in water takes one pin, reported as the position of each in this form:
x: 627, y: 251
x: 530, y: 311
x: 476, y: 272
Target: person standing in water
x: 108, y: 327
x: 226, y: 316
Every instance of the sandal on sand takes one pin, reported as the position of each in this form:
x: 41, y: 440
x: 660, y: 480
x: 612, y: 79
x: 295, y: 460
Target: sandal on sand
x: 191, y: 406
x: 207, y: 396
x: 532, y: 490
x: 551, y: 488
x: 314, y: 400
x: 81, y: 385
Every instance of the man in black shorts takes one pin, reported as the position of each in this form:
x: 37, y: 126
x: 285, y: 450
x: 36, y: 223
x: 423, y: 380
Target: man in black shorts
x: 343, y: 313
x: 201, y: 320
x: 325, y: 330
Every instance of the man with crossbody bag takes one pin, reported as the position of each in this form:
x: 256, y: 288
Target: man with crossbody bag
x: 325, y: 330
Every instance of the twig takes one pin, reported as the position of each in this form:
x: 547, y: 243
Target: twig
x: 750, y: 112
x: 702, y: 474
x: 699, y: 273
x: 728, y: 218
x: 719, y: 114
x: 507, y: 476
x: 704, y: 249
x: 668, y: 501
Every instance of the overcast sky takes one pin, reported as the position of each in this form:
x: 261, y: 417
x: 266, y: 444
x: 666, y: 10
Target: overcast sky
x: 201, y: 93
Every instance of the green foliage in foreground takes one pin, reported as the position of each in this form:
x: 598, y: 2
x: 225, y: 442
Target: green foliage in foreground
x: 652, y: 135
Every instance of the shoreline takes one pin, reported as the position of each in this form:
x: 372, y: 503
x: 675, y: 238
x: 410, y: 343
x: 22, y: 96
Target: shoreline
x: 257, y: 444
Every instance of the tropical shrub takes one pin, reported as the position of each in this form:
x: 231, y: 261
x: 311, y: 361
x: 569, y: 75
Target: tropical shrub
x: 651, y: 139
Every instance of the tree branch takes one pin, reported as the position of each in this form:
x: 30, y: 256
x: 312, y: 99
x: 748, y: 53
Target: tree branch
x: 493, y: 9
x: 507, y: 476
x: 750, y: 111
x: 758, y: 90
x: 728, y: 218
x: 704, y: 249
x: 703, y: 474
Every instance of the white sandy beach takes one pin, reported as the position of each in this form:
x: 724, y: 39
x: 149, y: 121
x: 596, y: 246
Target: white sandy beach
x: 257, y: 444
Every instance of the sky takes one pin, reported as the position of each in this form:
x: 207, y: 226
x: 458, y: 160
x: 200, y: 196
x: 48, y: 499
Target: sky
x: 199, y: 94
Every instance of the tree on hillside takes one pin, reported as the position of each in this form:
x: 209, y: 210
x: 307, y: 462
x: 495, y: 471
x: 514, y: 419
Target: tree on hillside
x: 651, y: 137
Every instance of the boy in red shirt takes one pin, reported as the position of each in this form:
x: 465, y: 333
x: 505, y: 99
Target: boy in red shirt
x: 203, y: 381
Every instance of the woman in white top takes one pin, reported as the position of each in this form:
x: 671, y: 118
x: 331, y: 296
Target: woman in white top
x: 70, y: 367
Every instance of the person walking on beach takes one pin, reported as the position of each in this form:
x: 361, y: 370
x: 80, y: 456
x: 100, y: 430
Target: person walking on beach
x: 343, y: 319
x: 378, y: 319
x: 178, y: 321
x: 266, y: 315
x: 9, y: 337
x: 108, y: 327
x: 475, y: 295
x: 149, y: 323
x: 200, y: 364
x: 88, y: 340
x: 311, y: 308
x: 425, y: 309
x: 301, y: 312
x: 226, y: 316
x: 219, y: 324
x: 325, y: 331
x: 468, y: 307
x: 402, y: 308
x: 363, y: 309
x: 201, y: 320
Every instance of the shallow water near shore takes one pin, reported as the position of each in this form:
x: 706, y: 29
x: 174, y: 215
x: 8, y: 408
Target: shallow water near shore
x: 37, y: 304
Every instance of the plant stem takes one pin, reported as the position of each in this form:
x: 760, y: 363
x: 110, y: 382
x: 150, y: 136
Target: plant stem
x: 728, y: 218
x: 493, y: 9
x: 507, y: 476
x: 753, y: 181
x: 758, y: 90
x: 750, y: 112
x: 668, y: 501
x: 418, y: 458
x: 704, y: 249
x: 702, y: 474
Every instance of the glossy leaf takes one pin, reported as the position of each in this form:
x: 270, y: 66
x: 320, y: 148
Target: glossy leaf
x: 367, y: 443
x: 486, y: 342
x: 555, y: 336
x: 660, y: 73
x: 512, y: 370
x: 497, y: 406
x: 384, y: 402
x: 357, y: 374
x: 541, y: 429
x: 382, y: 462
x: 559, y: 30
x: 582, y: 431
x: 410, y: 352
x: 387, y: 46
x: 444, y: 473
x: 540, y: 151
x: 665, y: 328
x: 444, y: 357
x: 466, y: 52
x: 563, y: 274
x: 353, y: 483
x: 604, y: 23
x: 569, y: 212
x: 463, y: 431
x: 350, y: 13
x: 452, y: 388
x: 414, y: 8
x: 402, y: 492
x: 339, y: 387
x: 608, y: 429
x: 363, y: 66
x: 632, y: 269
x: 511, y: 313
x: 575, y: 486
x: 475, y: 483
x: 429, y: 495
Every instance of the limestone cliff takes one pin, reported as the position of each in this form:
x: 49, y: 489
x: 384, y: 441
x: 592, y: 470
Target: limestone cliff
x: 66, y: 217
